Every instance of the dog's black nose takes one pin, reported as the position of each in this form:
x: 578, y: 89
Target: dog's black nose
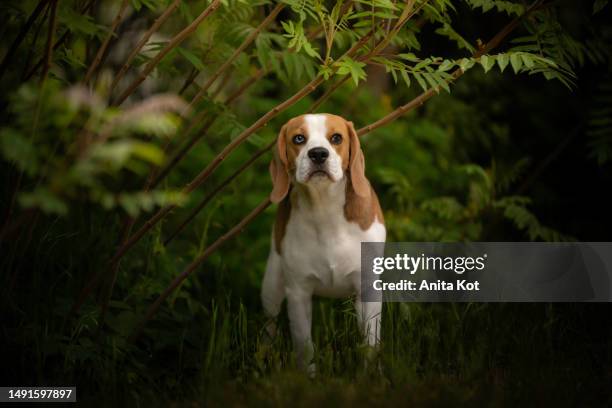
x: 318, y: 155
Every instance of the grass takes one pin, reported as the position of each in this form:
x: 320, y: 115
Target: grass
x: 206, y: 348
x: 431, y: 355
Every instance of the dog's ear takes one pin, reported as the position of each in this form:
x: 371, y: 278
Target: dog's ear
x: 361, y: 186
x: 279, y: 169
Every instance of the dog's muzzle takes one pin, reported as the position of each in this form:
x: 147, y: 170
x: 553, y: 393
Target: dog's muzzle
x: 318, y: 155
x: 318, y: 158
x: 319, y: 163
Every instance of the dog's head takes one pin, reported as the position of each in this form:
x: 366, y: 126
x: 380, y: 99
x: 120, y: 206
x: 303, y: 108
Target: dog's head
x: 317, y: 149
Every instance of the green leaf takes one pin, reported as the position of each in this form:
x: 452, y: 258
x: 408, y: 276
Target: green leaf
x: 192, y: 58
x: 527, y: 61
x: 148, y: 152
x: 420, y: 80
x: 409, y: 57
x: 517, y: 62
x: 80, y: 23
x: 446, y: 65
x: 503, y: 60
x: 433, y: 80
x: 44, y: 200
x: 405, y: 77
x: 310, y: 51
x: 326, y: 72
x: 288, y: 27
x: 443, y: 83
x: 422, y: 64
x: 19, y: 149
x: 487, y: 62
x: 447, y: 31
x: 354, y: 68
x: 466, y: 63
x: 388, y: 4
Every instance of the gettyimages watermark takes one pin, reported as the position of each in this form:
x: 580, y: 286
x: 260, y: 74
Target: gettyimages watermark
x: 486, y: 272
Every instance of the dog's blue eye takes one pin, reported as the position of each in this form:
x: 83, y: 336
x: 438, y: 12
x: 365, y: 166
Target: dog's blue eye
x: 336, y: 138
x: 299, y: 139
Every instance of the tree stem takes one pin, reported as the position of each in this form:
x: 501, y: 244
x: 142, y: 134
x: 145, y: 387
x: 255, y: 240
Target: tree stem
x: 8, y: 58
x: 174, y: 42
x: 49, y: 46
x: 197, y: 262
x: 102, y: 50
x: 143, y: 41
x: 247, y: 41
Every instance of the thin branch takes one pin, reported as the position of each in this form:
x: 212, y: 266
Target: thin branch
x: 247, y: 41
x: 224, y: 81
x: 174, y: 42
x: 32, y: 47
x: 41, y: 61
x: 189, y: 80
x: 8, y: 57
x: 102, y: 50
x: 197, y: 262
x: 178, y: 156
x: 183, y: 150
x: 94, y: 278
x: 327, y: 93
x: 550, y: 158
x: 217, y: 190
x: 143, y: 41
x: 114, y: 270
x: 408, y: 12
x: 193, y: 74
x: 260, y: 73
x: 246, y: 85
x: 57, y: 44
x: 50, y: 34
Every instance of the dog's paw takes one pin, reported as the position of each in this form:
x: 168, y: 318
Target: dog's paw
x: 371, y: 360
x: 270, y: 331
x: 311, y: 371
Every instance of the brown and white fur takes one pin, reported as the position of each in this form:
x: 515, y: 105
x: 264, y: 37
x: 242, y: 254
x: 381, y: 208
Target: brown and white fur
x: 327, y: 207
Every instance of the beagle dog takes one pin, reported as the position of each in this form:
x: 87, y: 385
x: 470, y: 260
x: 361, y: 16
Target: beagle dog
x: 326, y: 208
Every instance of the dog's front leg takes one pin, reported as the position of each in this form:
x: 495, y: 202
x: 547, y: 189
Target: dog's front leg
x: 369, y: 317
x: 272, y: 292
x: 299, y: 307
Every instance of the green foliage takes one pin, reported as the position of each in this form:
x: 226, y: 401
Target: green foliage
x: 508, y: 7
x: 475, y: 194
x: 75, y: 150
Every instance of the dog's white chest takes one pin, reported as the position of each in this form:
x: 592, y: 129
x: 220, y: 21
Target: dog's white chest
x: 321, y: 249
